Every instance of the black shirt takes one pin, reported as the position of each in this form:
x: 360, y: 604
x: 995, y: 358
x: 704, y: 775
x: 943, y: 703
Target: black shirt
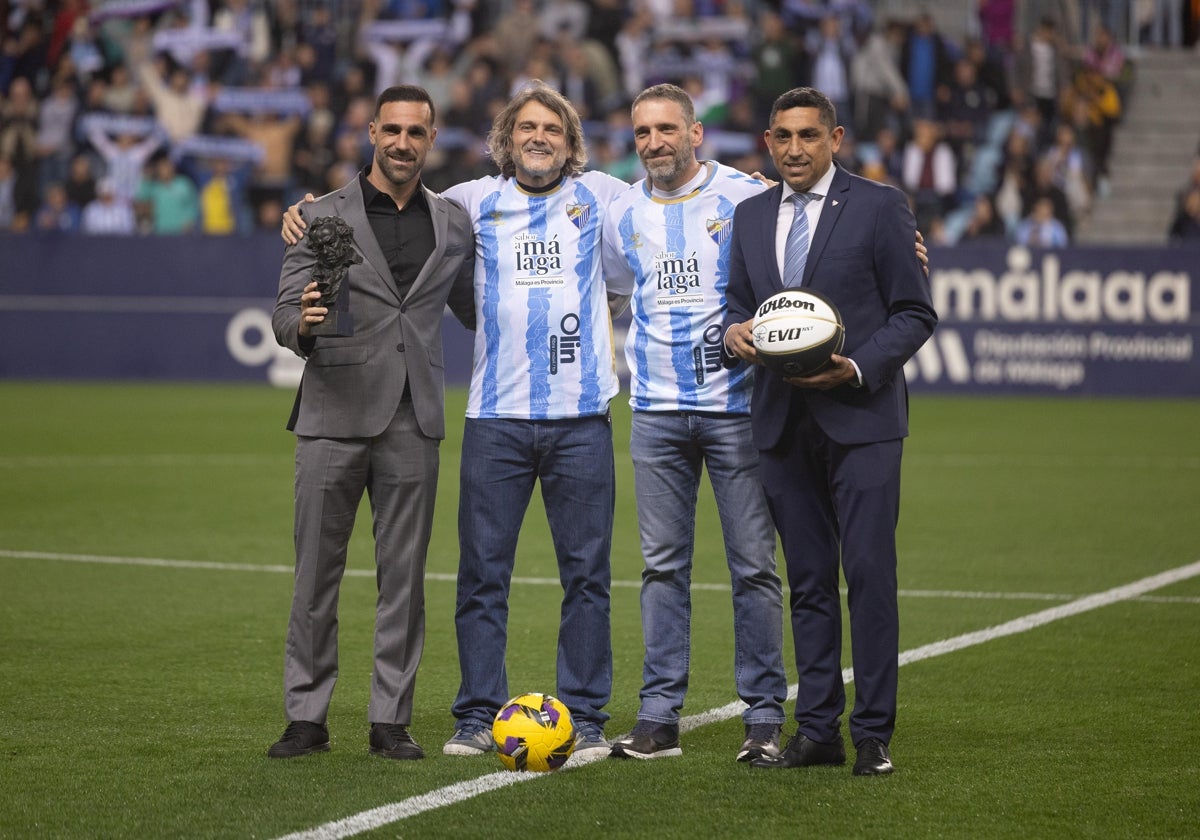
x: 405, y: 236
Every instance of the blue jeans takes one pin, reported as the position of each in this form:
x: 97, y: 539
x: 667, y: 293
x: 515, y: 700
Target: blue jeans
x: 669, y: 451
x: 501, y: 460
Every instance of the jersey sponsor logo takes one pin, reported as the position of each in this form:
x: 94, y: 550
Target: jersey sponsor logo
x: 677, y: 279
x: 564, y: 345
x: 706, y: 356
x: 538, y: 263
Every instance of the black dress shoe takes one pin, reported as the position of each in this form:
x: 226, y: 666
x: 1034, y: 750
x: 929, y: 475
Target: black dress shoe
x: 803, y: 751
x: 391, y: 740
x: 301, y: 737
x: 873, y: 759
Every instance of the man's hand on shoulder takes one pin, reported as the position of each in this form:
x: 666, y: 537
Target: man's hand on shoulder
x: 293, y: 224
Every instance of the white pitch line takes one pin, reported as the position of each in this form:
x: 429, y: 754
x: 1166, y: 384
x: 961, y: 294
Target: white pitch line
x: 396, y: 811
x: 451, y: 794
x: 444, y: 577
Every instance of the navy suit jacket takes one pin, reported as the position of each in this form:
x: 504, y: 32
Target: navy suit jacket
x: 862, y: 258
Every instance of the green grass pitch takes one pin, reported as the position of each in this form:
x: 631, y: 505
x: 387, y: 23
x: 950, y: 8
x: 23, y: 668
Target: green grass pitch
x: 145, y: 548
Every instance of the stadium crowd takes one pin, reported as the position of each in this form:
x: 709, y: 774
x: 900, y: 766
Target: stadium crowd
x: 166, y: 116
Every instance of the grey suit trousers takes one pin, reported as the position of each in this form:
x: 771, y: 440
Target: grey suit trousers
x: 398, y: 470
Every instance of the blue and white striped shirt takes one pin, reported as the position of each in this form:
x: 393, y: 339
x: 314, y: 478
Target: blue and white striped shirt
x: 676, y: 252
x: 543, y: 342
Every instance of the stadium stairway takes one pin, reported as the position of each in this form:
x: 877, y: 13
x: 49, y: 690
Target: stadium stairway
x: 1153, y: 149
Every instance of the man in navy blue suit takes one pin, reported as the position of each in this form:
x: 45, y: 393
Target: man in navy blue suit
x: 831, y: 443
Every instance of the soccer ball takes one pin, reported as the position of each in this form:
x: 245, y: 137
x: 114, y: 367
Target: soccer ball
x: 534, y: 732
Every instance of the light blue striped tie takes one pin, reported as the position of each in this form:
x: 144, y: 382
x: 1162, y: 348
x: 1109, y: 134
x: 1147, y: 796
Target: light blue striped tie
x: 795, y: 250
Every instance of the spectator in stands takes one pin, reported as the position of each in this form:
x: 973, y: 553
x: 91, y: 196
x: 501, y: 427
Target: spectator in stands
x: 250, y: 22
x: 880, y: 92
x: 57, y: 214
x: 776, y: 57
x: 1032, y: 14
x: 1028, y: 122
x: 8, y: 196
x: 126, y: 156
x: 925, y: 62
x: 992, y: 73
x: 1013, y: 186
x: 830, y: 50
x: 19, y: 126
x: 166, y: 200
x: 890, y: 153
x: 1185, y: 227
x: 122, y: 94
x: 109, y: 213
x: 1043, y: 186
x: 23, y: 56
x: 1041, y: 71
x: 80, y: 183
x: 605, y: 21
x: 82, y: 50
x: 222, y: 195
x: 930, y: 173
x: 179, y: 104
x: 557, y: 17
x: 996, y: 22
x: 276, y: 135
x: 55, y: 143
x: 319, y: 32
x: 985, y: 223
x: 577, y: 81
x: 717, y: 67
x: 1192, y: 183
x: 1105, y: 56
x: 964, y: 107
x: 1093, y: 108
x: 269, y: 212
x: 517, y: 30
x: 314, y: 152
x: 1040, y: 229
x: 633, y: 44
x: 1071, y: 170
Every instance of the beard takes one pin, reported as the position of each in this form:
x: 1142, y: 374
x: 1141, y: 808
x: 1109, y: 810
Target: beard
x: 667, y: 170
x: 398, y: 171
x: 544, y: 166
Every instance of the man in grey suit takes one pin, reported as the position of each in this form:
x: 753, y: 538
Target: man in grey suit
x: 369, y: 416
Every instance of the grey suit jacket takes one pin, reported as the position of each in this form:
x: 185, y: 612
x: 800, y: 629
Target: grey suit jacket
x: 352, y: 386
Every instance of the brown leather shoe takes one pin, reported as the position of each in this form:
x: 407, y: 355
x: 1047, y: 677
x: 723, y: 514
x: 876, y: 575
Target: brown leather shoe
x: 803, y: 751
x: 392, y: 740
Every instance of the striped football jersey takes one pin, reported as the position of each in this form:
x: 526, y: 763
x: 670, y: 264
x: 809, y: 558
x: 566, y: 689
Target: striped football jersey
x: 543, y: 342
x: 676, y: 252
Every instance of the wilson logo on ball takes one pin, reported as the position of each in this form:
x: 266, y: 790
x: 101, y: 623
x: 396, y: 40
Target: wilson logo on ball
x: 786, y: 301
x: 796, y: 331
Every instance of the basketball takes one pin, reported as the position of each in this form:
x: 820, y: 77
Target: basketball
x: 796, y: 331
